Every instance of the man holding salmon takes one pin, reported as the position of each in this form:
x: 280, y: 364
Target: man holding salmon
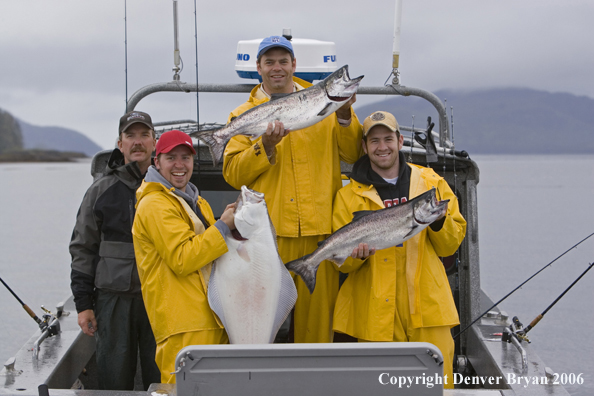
x: 299, y: 173
x: 400, y: 293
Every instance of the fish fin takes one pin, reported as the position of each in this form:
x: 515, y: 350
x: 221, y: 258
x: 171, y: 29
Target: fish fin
x: 412, y: 231
x: 216, y: 148
x: 276, y: 96
x: 273, y: 231
x: 243, y: 253
x: 306, y: 269
x: 338, y: 260
x: 214, y: 299
x: 325, y: 110
x: 361, y: 213
x: 286, y: 301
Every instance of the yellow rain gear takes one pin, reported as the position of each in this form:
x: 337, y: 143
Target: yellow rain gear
x: 174, y: 253
x: 399, y: 290
x: 299, y: 182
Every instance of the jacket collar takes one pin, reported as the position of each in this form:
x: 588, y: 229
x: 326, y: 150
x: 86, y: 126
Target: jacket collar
x: 368, y: 190
x: 128, y: 173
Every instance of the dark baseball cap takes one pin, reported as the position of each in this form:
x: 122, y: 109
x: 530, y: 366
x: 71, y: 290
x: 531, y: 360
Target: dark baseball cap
x: 133, y: 117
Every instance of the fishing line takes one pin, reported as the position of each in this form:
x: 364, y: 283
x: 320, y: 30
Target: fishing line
x: 25, y: 306
x: 522, y: 284
x: 412, y: 140
x: 126, y: 50
x: 539, y: 317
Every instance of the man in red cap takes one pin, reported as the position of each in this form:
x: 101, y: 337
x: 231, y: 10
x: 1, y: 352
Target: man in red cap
x: 176, y: 239
x: 104, y: 279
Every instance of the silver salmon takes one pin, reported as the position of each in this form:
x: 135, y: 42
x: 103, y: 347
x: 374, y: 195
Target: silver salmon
x: 380, y: 229
x: 297, y: 110
x: 250, y: 289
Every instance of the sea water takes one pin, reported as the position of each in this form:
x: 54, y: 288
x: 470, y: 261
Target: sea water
x: 531, y: 209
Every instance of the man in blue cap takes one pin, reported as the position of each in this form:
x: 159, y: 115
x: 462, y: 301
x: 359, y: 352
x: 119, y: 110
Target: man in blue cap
x: 299, y: 173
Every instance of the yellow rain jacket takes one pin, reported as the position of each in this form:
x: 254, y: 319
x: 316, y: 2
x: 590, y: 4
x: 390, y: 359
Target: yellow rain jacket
x: 173, y: 255
x: 304, y: 175
x: 299, y: 182
x: 366, y: 303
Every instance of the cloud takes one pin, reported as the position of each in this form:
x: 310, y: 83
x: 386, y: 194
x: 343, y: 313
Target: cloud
x: 63, y: 62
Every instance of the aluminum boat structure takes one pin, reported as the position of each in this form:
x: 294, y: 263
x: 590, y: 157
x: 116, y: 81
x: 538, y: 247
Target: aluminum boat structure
x: 484, y: 362
x: 490, y: 356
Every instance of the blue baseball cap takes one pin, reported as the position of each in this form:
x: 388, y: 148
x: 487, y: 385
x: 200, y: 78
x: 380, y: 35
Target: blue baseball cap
x: 274, y: 41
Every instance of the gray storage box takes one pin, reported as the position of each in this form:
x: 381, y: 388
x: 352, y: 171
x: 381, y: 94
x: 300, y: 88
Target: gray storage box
x: 389, y: 368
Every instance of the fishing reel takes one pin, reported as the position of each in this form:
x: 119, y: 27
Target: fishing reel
x: 515, y: 330
x: 49, y: 324
x: 49, y: 321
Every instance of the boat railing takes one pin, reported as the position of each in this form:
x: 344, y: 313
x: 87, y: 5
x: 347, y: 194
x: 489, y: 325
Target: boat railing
x: 178, y: 86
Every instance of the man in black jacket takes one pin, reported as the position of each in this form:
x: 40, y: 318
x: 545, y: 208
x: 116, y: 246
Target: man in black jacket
x: 104, y: 277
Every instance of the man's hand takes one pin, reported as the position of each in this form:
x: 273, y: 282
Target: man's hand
x: 344, y: 112
x: 87, y: 322
x: 228, y: 216
x: 273, y: 135
x: 362, y: 252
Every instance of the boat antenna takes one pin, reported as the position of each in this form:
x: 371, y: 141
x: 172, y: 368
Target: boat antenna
x: 453, y: 148
x: 176, y: 56
x: 196, y: 43
x: 412, y: 140
x: 396, y: 43
x: 126, y: 50
x: 445, y: 105
x: 197, y: 95
x: 522, y: 284
x: 25, y: 306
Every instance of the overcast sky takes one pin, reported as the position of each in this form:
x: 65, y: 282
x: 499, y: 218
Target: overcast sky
x: 62, y: 62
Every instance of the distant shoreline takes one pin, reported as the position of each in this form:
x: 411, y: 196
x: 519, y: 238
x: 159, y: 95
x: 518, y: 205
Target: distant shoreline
x: 40, y: 156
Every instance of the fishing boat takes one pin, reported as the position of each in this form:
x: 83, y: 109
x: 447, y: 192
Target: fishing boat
x: 493, y: 356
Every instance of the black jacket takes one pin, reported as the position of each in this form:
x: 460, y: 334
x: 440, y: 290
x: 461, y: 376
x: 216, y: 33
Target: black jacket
x: 101, y: 245
x: 389, y: 193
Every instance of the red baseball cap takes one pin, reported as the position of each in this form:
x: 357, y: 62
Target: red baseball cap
x: 171, y: 139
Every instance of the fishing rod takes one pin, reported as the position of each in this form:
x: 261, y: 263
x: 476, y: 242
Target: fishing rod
x: 49, y: 325
x: 25, y: 306
x: 521, y: 284
x: 522, y: 333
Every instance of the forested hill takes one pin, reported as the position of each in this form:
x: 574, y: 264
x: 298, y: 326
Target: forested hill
x: 510, y: 121
x: 57, y: 138
x: 17, y: 135
x: 494, y: 121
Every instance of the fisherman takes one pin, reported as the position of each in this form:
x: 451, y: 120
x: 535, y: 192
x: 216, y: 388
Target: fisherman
x: 400, y: 293
x: 104, y: 278
x: 299, y: 173
x: 175, y: 240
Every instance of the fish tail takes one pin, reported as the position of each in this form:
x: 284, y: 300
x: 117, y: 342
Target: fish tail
x: 215, y: 147
x: 306, y: 269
